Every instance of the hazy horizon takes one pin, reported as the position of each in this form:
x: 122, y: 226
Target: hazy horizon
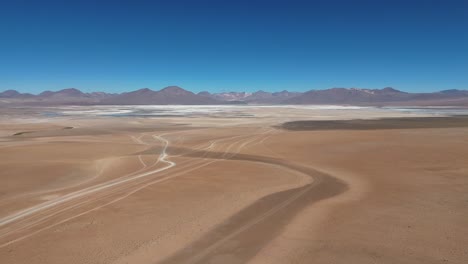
x: 220, y: 91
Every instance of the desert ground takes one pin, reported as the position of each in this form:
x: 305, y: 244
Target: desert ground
x: 227, y: 185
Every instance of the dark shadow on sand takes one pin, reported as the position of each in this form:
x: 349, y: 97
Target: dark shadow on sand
x: 375, y: 124
x: 243, y: 235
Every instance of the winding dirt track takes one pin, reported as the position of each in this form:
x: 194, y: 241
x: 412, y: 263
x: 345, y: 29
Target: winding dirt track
x: 23, y: 221
x: 277, y: 208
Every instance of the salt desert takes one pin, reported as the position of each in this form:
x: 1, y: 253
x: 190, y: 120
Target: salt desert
x: 233, y: 184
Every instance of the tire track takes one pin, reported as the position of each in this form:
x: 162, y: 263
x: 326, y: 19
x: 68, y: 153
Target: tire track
x: 162, y: 158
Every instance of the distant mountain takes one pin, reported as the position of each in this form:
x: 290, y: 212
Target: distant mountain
x: 259, y: 97
x: 385, y: 96
x: 65, y: 93
x: 226, y: 96
x: 15, y: 94
x: 176, y: 95
x: 166, y: 96
x: 62, y: 97
x: 101, y: 95
x: 71, y: 96
x: 262, y: 97
x: 455, y: 92
x: 349, y: 96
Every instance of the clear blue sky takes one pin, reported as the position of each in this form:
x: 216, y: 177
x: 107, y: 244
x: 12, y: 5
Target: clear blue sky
x: 221, y: 45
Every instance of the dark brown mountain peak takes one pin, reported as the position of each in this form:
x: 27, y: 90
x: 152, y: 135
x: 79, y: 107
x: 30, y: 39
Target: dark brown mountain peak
x: 284, y: 92
x: 70, y: 91
x: 143, y: 90
x: 64, y: 92
x: 174, y: 90
x: 454, y: 92
x: 9, y: 93
x: 391, y: 89
x: 46, y: 93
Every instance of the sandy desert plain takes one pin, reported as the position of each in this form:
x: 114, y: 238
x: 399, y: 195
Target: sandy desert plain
x: 233, y: 184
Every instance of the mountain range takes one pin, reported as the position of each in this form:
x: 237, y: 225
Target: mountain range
x: 174, y: 95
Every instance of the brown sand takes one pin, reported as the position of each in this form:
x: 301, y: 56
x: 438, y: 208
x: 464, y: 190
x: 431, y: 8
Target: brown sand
x: 239, y: 192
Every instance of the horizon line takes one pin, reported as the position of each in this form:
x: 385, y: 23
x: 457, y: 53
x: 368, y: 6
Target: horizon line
x: 231, y: 91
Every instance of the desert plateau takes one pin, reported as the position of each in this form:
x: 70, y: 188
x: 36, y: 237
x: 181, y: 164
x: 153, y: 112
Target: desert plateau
x: 233, y: 184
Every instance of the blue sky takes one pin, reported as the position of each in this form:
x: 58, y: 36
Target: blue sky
x: 117, y: 46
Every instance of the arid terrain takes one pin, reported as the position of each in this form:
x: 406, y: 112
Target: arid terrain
x: 233, y: 184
